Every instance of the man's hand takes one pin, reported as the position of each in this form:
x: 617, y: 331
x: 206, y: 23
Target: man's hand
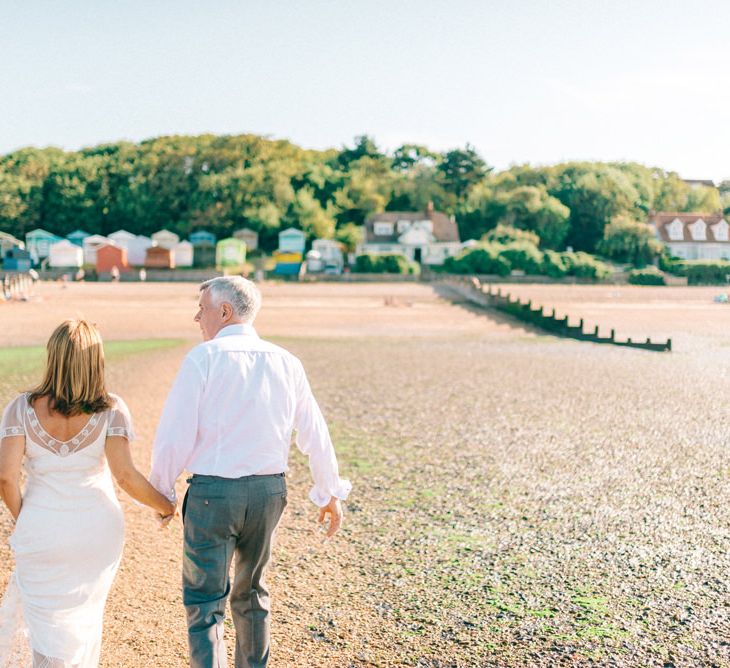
x: 163, y: 519
x: 334, y: 510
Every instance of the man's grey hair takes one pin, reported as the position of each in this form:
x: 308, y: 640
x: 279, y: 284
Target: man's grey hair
x: 243, y: 295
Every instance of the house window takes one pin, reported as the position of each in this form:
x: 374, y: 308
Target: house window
x: 403, y: 225
x: 383, y: 229
x: 720, y: 230
x: 675, y: 230
x: 698, y: 230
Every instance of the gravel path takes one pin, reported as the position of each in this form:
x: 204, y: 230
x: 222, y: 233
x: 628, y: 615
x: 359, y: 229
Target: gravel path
x: 518, y: 500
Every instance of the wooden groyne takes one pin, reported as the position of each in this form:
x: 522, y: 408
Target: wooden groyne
x: 486, y: 295
x: 16, y: 285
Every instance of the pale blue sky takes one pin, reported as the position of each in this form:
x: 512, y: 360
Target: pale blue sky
x: 523, y: 81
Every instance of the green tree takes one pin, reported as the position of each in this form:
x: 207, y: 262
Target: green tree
x: 627, y: 240
x: 315, y: 220
x: 532, y: 208
x: 350, y: 235
x: 461, y: 169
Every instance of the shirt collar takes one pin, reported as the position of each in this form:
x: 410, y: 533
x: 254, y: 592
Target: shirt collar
x: 237, y: 329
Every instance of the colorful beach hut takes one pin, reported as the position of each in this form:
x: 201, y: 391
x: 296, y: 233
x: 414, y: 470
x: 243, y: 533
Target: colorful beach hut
x: 292, y: 240
x: 230, y: 255
x: 38, y: 243
x: 202, y: 236
x: 159, y: 257
x: 77, y: 237
x: 110, y: 256
x: 248, y: 236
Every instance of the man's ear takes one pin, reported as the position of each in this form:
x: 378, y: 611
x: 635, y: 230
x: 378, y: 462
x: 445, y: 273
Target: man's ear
x: 226, y: 310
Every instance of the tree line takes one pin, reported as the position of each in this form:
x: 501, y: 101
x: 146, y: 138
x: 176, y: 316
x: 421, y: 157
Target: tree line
x: 222, y: 183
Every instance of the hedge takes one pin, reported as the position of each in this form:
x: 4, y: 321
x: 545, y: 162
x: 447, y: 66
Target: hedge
x: 647, y: 276
x: 385, y: 264
x: 707, y: 272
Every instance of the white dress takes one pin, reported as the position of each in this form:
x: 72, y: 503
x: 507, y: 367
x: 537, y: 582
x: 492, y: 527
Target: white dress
x: 67, y: 542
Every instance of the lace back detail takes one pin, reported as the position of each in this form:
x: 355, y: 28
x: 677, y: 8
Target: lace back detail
x: 88, y: 435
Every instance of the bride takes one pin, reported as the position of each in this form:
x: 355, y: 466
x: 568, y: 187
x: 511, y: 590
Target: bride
x: 69, y: 532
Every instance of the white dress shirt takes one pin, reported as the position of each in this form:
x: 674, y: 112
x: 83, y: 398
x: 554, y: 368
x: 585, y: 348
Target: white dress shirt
x: 232, y: 411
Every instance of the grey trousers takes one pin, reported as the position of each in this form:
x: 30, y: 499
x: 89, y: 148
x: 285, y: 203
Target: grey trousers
x: 227, y: 519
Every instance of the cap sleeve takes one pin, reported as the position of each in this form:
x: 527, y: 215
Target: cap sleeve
x: 12, y: 423
x: 120, y: 420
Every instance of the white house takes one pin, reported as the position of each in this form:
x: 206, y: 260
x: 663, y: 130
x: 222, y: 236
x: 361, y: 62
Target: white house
x: 183, y: 253
x: 65, y: 254
x: 428, y: 237
x: 693, y: 236
x: 166, y: 239
x: 92, y: 244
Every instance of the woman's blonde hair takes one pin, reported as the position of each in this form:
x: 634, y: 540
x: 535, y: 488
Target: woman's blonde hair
x: 74, y: 379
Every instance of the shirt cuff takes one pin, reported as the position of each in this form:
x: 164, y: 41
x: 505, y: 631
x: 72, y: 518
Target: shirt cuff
x: 321, y: 497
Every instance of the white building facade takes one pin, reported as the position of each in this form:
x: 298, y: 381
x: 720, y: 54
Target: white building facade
x: 428, y: 237
x: 693, y: 236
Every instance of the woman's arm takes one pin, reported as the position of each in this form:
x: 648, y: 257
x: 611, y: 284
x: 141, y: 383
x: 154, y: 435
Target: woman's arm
x: 12, y: 449
x: 131, y: 480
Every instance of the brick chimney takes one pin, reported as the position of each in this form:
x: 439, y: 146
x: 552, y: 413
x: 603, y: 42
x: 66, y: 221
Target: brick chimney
x: 429, y: 209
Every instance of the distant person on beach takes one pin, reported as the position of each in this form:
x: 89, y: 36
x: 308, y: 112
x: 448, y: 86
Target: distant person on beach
x: 228, y: 420
x: 73, y: 436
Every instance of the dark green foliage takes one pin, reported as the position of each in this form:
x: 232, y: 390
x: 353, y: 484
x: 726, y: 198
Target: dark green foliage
x: 704, y: 272
x: 504, y: 234
x: 583, y: 265
x: 482, y: 260
x: 385, y: 264
x: 626, y: 240
x: 553, y: 264
x: 523, y: 256
x: 647, y: 276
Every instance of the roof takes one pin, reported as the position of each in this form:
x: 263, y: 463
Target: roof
x: 40, y: 234
x: 662, y: 219
x: 700, y: 182
x: 444, y: 229
x: 291, y: 232
x: 122, y: 234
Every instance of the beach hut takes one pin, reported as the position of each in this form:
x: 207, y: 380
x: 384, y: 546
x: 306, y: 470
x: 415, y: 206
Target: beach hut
x: 183, y: 253
x: 65, y: 254
x: 91, y: 245
x: 137, y: 250
x: 159, y: 257
x: 230, y: 254
x: 122, y: 238
x: 16, y: 259
x: 77, y: 237
x: 8, y: 242
x: 248, y: 236
x: 292, y: 241
x: 166, y: 239
x: 203, y: 254
x: 110, y: 256
x: 202, y: 236
x: 38, y: 243
x: 331, y: 253
x: 315, y: 263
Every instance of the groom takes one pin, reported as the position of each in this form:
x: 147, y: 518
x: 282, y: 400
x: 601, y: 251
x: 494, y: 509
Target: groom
x: 228, y: 420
